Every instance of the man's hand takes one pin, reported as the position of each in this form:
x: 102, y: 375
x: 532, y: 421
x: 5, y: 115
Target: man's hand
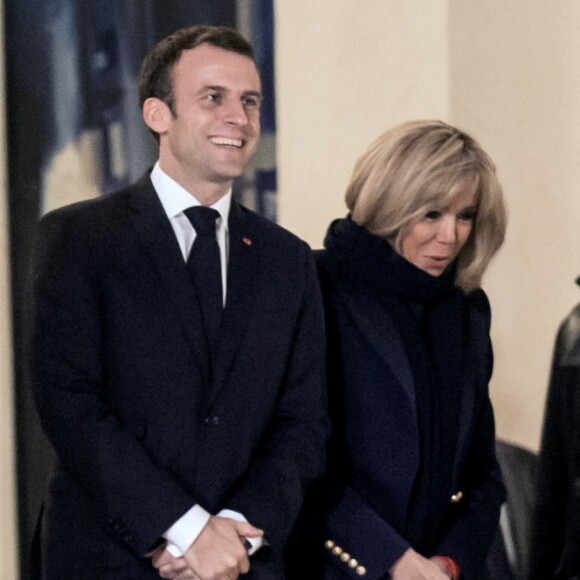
x: 169, y: 566
x: 412, y: 566
x: 218, y: 553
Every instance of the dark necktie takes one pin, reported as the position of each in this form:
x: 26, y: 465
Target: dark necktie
x: 205, y: 269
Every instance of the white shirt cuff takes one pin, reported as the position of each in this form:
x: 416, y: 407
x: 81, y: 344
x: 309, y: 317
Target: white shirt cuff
x: 256, y: 543
x: 185, y: 530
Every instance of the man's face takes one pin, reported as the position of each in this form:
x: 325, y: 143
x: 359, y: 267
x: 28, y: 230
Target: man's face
x: 216, y: 127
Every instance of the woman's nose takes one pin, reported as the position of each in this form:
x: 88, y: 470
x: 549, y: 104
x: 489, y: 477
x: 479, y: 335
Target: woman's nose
x: 447, y: 232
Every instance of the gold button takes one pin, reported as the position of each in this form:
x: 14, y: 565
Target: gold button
x: 345, y: 556
x: 329, y: 544
x: 361, y: 570
x: 353, y: 563
x: 457, y: 497
x: 337, y: 550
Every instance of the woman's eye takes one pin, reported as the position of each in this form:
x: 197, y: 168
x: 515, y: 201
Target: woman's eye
x: 467, y: 216
x: 433, y: 214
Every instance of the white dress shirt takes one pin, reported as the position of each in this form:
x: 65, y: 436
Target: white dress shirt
x: 175, y: 199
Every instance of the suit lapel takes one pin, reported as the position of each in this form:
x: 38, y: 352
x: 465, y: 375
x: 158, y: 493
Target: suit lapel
x: 157, y: 236
x: 242, y: 275
x: 379, y: 329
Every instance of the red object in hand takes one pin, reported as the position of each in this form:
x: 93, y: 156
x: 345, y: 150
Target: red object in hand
x: 450, y: 565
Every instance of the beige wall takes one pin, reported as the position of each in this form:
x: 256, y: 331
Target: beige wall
x: 343, y: 74
x: 516, y: 85
x: 506, y: 72
x: 8, y: 533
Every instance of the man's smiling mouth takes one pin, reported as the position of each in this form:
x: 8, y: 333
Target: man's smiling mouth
x: 227, y: 142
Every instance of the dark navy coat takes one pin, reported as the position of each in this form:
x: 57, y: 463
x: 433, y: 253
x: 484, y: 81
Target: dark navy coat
x: 352, y: 527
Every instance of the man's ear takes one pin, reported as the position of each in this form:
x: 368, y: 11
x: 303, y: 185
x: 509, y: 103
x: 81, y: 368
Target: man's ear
x: 156, y: 115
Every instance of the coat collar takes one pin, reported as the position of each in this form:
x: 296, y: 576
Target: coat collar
x: 243, y: 266
x: 155, y: 232
x: 383, y: 337
x: 158, y: 238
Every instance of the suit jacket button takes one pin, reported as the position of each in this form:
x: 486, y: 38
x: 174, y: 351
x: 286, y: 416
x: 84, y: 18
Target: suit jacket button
x: 214, y: 421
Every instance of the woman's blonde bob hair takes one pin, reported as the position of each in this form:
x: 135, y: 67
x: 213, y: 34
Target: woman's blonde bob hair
x: 423, y: 165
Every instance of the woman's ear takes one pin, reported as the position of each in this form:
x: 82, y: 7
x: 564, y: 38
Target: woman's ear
x: 156, y: 115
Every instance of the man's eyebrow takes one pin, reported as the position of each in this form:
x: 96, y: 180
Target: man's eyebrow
x: 211, y: 88
x: 219, y: 88
x: 257, y: 94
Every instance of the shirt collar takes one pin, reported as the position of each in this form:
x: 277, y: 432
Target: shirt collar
x: 174, y: 198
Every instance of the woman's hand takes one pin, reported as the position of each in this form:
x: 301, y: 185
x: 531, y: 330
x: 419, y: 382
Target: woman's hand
x: 412, y: 566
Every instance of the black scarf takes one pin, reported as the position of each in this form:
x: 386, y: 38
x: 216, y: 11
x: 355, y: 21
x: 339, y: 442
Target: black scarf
x: 428, y: 314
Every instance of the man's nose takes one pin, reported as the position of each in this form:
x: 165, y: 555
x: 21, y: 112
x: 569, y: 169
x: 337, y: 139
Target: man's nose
x: 235, y: 112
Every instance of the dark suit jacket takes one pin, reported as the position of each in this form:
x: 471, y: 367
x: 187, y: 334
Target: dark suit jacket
x: 120, y: 377
x: 357, y: 516
x: 555, y: 552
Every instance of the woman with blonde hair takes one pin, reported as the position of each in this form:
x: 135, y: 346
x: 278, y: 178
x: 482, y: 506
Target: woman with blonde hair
x: 413, y: 489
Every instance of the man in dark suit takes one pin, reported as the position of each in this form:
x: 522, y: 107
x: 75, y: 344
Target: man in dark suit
x: 184, y: 435
x: 555, y: 553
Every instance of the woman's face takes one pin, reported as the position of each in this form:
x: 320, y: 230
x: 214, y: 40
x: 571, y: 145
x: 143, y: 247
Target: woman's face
x: 435, y: 241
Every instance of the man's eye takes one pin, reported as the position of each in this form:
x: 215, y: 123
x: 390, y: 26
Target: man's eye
x: 213, y: 97
x: 251, y: 102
